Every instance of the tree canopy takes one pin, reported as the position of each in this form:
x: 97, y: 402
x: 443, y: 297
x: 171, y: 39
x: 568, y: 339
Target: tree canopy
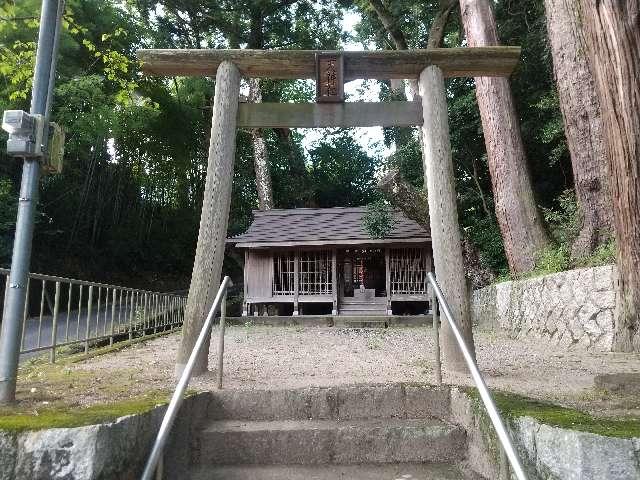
x: 126, y: 208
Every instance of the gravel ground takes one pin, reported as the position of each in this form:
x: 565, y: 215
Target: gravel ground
x: 283, y: 357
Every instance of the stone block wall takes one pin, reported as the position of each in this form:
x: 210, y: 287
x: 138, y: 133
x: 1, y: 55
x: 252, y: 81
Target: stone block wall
x: 108, y: 451
x: 546, y: 452
x: 571, y: 308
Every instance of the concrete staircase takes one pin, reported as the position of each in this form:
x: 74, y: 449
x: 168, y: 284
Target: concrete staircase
x: 352, y: 306
x: 373, y: 432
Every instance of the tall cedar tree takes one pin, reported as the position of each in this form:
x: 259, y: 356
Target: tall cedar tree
x: 612, y: 36
x: 582, y: 125
x: 520, y: 221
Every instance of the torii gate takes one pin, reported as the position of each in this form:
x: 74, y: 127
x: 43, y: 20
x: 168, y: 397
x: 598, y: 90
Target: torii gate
x: 430, y: 67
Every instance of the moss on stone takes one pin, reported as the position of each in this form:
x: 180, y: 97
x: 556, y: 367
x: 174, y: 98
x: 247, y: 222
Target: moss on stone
x: 14, y: 420
x: 513, y: 406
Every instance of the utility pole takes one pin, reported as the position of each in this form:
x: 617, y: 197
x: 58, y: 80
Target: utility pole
x: 43, y: 80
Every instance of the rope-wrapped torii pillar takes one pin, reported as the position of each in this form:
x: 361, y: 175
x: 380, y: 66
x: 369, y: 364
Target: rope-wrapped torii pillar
x: 207, y: 266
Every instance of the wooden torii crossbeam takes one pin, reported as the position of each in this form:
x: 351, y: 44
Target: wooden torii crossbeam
x: 298, y: 64
x: 374, y: 64
x: 429, y: 67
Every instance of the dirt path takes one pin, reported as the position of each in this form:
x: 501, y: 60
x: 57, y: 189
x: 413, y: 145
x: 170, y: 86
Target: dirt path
x: 279, y: 357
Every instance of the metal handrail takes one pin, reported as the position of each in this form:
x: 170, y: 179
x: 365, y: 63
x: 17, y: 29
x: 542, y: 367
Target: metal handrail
x: 485, y: 395
x: 181, y: 387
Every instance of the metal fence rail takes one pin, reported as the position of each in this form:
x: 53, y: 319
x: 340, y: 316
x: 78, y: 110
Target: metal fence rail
x: 494, y: 415
x: 61, y: 312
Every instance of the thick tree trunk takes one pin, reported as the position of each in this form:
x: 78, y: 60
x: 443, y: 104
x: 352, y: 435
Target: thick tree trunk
x: 207, y: 266
x: 414, y: 204
x: 401, y: 194
x: 521, y: 224
x: 260, y: 154
x: 612, y: 37
x: 445, y: 229
x: 582, y: 124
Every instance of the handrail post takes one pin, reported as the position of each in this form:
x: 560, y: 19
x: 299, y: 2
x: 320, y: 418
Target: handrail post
x: 54, y: 325
x: 436, y: 336
x: 88, y: 326
x: 485, y: 395
x: 181, y: 387
x: 223, y: 315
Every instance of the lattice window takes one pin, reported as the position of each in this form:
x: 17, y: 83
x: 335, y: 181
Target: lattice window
x: 408, y: 269
x: 284, y: 273
x: 315, y: 273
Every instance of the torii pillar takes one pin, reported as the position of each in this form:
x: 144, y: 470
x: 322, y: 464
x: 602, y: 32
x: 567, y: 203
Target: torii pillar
x: 430, y: 66
x: 207, y: 266
x: 439, y: 180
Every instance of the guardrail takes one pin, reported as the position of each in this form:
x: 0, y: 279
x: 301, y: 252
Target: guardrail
x: 90, y: 314
x: 485, y: 395
x: 154, y: 463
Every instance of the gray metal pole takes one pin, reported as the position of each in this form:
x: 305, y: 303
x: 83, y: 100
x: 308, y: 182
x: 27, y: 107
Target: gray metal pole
x: 21, y: 259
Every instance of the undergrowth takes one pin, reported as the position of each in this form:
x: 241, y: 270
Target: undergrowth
x: 564, y: 226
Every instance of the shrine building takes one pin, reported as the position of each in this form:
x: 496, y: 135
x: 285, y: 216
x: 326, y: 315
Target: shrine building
x: 322, y: 261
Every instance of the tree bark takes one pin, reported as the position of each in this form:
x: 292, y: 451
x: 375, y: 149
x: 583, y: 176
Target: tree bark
x: 612, y: 36
x: 401, y: 194
x: 260, y: 154
x: 207, y: 266
x: 521, y: 224
x: 582, y: 124
x: 445, y: 229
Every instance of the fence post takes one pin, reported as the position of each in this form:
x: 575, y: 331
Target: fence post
x: 113, y: 313
x: 86, y: 334
x: 131, y: 317
x: 54, y: 326
x: 436, y: 335
x: 25, y: 312
x: 223, y: 316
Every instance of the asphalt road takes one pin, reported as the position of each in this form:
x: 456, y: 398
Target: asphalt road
x: 40, y: 333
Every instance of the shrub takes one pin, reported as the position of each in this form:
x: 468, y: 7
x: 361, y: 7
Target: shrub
x: 378, y: 219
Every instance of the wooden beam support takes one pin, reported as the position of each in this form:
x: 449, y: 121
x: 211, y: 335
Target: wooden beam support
x: 387, y: 276
x: 334, y: 281
x: 376, y: 64
x: 318, y: 115
x: 296, y: 282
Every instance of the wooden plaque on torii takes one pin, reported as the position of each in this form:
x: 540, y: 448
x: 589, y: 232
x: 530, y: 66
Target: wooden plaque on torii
x: 329, y: 77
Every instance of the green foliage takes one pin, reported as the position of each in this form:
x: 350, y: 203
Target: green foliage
x: 8, y: 211
x: 563, y: 220
x: 603, y: 255
x: 342, y: 172
x: 378, y: 219
x: 484, y: 232
x: 519, y: 23
x: 552, y: 260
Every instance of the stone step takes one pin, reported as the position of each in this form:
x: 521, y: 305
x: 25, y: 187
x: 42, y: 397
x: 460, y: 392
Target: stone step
x: 347, y: 402
x: 362, y: 301
x: 362, y: 308
x: 371, y: 321
x: 363, y: 313
x: 394, y: 471
x: 322, y: 442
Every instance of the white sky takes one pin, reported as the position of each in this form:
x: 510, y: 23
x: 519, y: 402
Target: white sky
x: 370, y: 138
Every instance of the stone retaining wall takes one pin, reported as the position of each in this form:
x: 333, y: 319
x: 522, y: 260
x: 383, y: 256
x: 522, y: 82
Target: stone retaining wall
x: 108, y: 451
x: 546, y: 452
x: 571, y: 308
